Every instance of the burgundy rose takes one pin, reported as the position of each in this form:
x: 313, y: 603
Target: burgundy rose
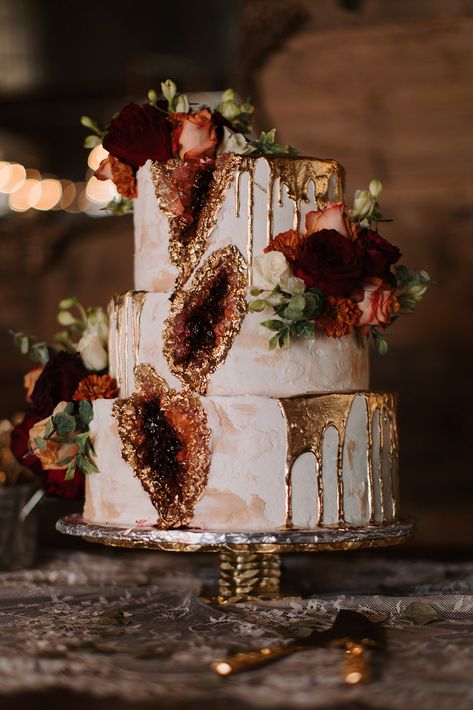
x: 54, y: 483
x: 139, y: 133
x: 57, y: 383
x: 380, y: 255
x: 19, y: 444
x: 331, y: 262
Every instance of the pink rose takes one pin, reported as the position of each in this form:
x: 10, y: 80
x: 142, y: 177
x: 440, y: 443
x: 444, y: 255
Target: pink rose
x: 54, y: 451
x: 194, y: 135
x: 378, y: 306
x: 30, y: 379
x: 104, y: 171
x: 332, y: 217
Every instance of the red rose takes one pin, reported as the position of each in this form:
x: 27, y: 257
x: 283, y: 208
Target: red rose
x: 139, y: 133
x: 194, y: 135
x: 330, y: 262
x: 121, y: 174
x: 380, y: 255
x: 57, y: 383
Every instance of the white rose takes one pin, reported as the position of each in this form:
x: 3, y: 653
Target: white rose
x: 269, y: 270
x: 234, y: 143
x: 97, y: 324
x: 363, y: 203
x: 91, y: 349
x: 293, y: 285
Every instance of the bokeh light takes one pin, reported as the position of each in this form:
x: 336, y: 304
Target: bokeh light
x: 96, y: 156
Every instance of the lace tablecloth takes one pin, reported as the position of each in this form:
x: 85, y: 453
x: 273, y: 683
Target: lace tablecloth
x: 130, y: 625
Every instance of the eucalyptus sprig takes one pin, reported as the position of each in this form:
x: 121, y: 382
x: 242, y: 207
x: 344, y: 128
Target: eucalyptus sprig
x: 97, y: 135
x: 238, y: 114
x: 71, y: 426
x: 266, y: 144
x: 119, y: 206
x: 412, y: 286
x: 38, y: 351
x: 296, y: 313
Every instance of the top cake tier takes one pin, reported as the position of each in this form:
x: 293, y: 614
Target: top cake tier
x: 244, y: 202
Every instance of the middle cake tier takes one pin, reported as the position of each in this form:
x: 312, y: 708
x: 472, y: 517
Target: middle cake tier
x: 234, y: 358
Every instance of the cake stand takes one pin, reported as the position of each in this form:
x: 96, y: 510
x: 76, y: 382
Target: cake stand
x: 250, y: 562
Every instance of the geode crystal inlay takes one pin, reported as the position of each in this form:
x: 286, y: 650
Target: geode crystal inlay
x: 166, y: 441
x: 205, y: 318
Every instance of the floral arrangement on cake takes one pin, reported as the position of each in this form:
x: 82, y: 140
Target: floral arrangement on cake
x: 53, y: 437
x: 339, y: 276
x: 170, y: 127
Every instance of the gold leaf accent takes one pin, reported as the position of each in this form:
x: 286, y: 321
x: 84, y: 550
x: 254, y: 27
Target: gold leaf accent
x: 196, y: 373
x: 174, y: 499
x: 186, y: 254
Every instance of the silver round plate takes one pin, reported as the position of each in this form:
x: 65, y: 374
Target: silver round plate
x: 195, y: 540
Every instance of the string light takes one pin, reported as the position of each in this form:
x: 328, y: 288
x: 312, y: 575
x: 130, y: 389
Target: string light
x: 26, y: 189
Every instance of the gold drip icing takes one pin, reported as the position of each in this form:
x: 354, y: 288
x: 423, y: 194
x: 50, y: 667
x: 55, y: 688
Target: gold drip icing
x: 196, y: 374
x: 307, y: 420
x: 186, y: 255
x: 174, y: 497
x: 125, y: 312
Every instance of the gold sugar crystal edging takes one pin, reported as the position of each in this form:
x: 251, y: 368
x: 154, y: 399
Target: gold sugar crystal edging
x: 307, y: 419
x: 175, y: 504
x: 196, y: 375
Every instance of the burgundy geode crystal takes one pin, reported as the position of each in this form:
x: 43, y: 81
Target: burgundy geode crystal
x: 205, y: 318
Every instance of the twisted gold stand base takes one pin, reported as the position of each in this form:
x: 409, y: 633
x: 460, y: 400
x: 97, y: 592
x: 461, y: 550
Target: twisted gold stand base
x: 247, y: 575
x: 250, y: 565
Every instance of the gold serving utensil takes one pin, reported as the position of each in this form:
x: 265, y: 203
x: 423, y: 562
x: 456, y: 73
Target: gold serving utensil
x: 351, y: 630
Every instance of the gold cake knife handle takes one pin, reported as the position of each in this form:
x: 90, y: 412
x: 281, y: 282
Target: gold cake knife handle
x: 356, y: 663
x: 251, y: 659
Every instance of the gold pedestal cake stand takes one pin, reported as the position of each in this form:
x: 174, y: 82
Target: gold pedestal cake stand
x: 250, y: 563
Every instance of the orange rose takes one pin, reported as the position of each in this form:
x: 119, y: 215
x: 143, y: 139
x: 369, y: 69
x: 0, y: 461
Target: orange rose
x: 30, y: 379
x: 194, y: 135
x: 378, y: 306
x: 332, y: 217
x: 122, y: 175
x: 54, y: 451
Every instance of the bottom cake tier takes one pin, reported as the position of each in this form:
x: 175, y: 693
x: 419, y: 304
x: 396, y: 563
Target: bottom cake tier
x: 300, y: 462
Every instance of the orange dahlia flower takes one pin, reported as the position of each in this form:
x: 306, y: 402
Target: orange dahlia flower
x: 96, y: 387
x: 339, y: 317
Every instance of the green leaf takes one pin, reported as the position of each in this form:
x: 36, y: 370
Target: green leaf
x: 71, y: 469
x: 306, y: 329
x: 86, y: 465
x: 39, y: 353
x: 92, y: 141
x: 69, y: 408
x: 25, y: 345
x: 65, y: 461
x: 273, y: 324
x: 41, y: 443
x: 402, y: 274
x: 86, y: 412
x: 420, y: 613
x: 49, y: 429
x: 284, y: 338
x: 257, y: 306
x: 64, y: 423
x: 273, y: 343
x: 67, y: 303
x: 382, y: 345
x: 425, y: 276
x: 295, y: 308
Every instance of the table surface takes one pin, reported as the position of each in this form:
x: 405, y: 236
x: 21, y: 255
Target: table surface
x: 128, y: 628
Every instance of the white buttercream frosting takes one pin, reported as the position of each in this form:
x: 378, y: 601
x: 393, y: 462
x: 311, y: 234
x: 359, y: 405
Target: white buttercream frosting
x: 246, y: 488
